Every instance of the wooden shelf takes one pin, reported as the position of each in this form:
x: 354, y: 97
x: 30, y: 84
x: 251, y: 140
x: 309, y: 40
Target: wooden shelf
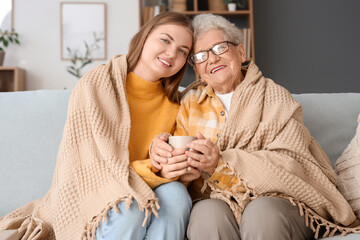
x: 197, y: 7
x: 223, y: 13
x: 12, y: 79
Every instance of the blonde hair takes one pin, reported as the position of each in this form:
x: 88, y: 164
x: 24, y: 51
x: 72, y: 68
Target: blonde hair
x: 170, y: 84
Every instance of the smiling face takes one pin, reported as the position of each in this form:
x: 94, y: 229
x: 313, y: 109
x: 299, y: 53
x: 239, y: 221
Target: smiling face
x: 164, y: 53
x: 222, y: 72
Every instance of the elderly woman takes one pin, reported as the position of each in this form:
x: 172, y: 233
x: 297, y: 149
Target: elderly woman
x: 263, y: 174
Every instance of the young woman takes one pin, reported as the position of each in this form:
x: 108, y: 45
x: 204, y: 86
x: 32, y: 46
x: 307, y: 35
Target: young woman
x: 114, y: 112
x: 152, y: 92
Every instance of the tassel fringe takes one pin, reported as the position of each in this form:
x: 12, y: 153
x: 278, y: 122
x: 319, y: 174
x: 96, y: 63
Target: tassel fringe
x: 316, y: 222
x: 312, y: 219
x: 90, y: 229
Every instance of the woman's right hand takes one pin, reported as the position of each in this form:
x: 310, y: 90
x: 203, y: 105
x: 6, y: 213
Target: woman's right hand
x: 176, y: 166
x: 160, y: 150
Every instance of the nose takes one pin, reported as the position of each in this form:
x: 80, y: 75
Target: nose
x: 213, y: 58
x: 171, y: 51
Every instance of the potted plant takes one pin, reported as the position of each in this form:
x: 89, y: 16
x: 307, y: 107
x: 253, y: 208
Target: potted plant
x: 233, y: 4
x: 79, y: 59
x: 7, y: 38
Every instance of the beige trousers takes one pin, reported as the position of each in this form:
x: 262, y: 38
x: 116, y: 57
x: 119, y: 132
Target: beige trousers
x: 265, y: 218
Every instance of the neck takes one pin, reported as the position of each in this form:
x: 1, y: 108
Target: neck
x: 145, y: 74
x: 226, y: 88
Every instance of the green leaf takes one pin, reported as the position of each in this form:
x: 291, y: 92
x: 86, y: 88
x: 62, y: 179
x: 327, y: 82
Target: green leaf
x: 72, y: 73
x: 85, y: 63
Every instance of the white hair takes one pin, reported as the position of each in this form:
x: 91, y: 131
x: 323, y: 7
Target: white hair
x: 205, y: 22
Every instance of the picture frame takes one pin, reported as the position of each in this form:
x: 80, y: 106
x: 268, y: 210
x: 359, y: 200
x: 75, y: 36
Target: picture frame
x: 83, y: 30
x: 7, y: 15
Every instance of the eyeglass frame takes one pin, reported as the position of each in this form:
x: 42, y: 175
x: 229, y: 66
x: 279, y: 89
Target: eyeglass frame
x: 211, y: 49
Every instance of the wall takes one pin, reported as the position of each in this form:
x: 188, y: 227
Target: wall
x: 309, y: 46
x: 38, y: 23
x: 306, y: 46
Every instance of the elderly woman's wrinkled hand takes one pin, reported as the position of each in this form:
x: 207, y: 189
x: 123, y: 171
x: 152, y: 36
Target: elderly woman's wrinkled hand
x: 160, y: 150
x: 191, y: 175
x: 206, y: 155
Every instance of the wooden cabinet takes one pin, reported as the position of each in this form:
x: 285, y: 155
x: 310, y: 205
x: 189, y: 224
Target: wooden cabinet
x: 242, y: 18
x: 12, y: 79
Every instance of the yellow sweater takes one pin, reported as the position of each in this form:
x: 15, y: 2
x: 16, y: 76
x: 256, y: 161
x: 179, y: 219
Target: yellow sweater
x: 151, y: 113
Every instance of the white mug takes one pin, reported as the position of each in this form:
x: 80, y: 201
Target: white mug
x: 180, y: 141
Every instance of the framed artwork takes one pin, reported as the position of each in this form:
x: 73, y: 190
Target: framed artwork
x: 83, y: 30
x: 6, y: 15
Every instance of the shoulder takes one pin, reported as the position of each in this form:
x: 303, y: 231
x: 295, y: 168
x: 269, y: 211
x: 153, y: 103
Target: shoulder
x: 277, y: 93
x: 101, y: 75
x: 193, y: 92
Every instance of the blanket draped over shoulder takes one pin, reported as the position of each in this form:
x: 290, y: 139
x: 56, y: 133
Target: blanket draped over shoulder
x: 266, y: 145
x: 92, y: 173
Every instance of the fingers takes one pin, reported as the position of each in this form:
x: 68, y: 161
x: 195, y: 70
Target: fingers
x: 177, y: 159
x: 204, y: 162
x: 174, y: 170
x: 177, y: 167
x: 164, y: 136
x: 199, y: 136
x: 202, y: 145
x: 158, y: 159
x: 196, y: 156
x: 155, y: 164
x: 160, y: 150
x: 190, y: 175
x: 179, y: 151
x: 196, y: 164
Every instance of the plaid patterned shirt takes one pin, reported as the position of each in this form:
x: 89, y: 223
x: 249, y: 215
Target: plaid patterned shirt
x: 202, y: 111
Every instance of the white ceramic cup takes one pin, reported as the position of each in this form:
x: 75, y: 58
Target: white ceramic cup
x: 180, y: 141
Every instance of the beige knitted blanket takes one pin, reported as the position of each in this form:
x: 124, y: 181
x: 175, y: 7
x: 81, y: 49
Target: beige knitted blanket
x: 92, y: 173
x: 268, y: 148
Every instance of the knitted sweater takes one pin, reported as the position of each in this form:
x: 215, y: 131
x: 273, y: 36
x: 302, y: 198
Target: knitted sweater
x: 151, y: 113
x: 265, y: 145
x: 92, y: 173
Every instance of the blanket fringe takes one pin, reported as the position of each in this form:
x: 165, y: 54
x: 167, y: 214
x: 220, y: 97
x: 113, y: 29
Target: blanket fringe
x: 312, y: 219
x: 316, y: 222
x: 150, y: 207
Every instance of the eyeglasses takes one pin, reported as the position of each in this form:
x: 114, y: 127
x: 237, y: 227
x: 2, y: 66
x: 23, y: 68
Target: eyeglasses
x: 218, y: 49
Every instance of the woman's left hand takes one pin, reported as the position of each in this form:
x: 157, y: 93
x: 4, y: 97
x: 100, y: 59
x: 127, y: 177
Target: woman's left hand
x: 206, y: 155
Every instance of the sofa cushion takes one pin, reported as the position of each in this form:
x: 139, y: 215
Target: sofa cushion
x: 31, y: 126
x: 331, y: 119
x: 348, y: 170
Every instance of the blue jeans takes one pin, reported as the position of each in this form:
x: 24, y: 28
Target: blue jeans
x: 171, y: 223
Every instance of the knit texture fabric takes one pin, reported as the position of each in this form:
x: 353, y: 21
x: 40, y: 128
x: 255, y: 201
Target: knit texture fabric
x: 92, y: 173
x: 265, y: 144
x: 151, y: 113
x: 348, y: 171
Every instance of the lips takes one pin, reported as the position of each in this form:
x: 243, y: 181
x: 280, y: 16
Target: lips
x: 165, y: 62
x: 217, y: 69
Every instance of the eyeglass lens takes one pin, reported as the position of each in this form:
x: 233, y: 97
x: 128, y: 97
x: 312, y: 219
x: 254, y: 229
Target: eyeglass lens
x: 218, y: 49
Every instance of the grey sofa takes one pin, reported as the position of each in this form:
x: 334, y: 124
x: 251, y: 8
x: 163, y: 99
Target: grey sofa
x: 31, y: 125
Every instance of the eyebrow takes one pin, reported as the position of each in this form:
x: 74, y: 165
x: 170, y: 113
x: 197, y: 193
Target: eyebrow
x: 208, y: 49
x: 172, y: 39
